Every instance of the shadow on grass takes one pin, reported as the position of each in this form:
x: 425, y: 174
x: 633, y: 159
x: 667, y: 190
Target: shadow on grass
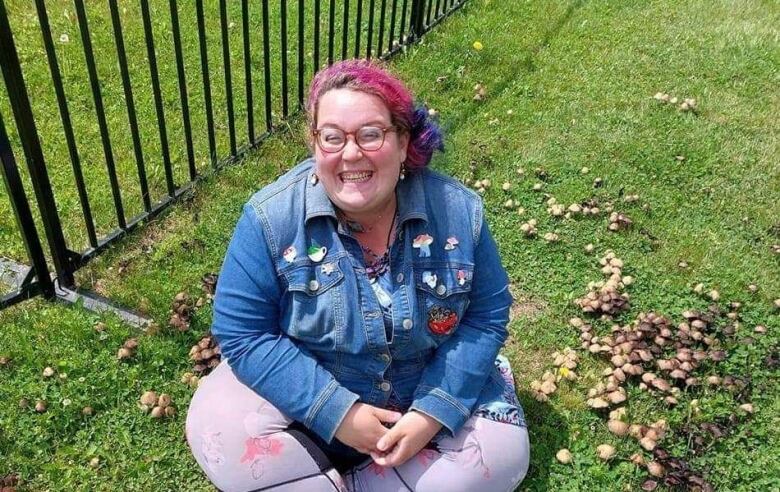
x: 549, y: 432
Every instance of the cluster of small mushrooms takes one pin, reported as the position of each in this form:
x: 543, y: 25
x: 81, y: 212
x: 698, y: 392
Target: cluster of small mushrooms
x: 158, y: 406
x: 687, y: 104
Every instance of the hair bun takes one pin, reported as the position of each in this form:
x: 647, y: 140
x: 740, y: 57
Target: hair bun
x: 425, y: 138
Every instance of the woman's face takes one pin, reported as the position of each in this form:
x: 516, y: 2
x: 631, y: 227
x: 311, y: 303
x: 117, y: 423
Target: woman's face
x: 358, y: 181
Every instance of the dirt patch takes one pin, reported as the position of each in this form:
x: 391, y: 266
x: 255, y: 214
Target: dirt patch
x: 525, y: 306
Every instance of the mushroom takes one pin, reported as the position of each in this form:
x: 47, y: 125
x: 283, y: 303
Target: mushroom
x: 149, y: 398
x: 618, y: 427
x: 655, y: 469
x: 605, y: 451
x: 564, y: 456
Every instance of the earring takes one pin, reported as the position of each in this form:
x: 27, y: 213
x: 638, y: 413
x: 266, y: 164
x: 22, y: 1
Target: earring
x: 402, y: 175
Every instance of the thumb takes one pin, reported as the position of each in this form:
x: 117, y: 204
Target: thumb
x: 388, y: 440
x: 388, y: 416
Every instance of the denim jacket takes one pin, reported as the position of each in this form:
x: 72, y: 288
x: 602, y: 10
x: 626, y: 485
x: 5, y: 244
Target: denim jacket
x: 298, y: 321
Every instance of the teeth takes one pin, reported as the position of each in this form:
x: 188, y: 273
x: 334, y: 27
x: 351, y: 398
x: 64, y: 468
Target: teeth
x: 357, y: 176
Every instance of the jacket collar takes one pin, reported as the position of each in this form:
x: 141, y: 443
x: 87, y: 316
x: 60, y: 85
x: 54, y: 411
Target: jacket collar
x: 409, y: 192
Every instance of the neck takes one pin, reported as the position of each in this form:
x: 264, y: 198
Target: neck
x: 371, y: 219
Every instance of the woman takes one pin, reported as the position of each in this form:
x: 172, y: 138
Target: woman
x: 361, y: 308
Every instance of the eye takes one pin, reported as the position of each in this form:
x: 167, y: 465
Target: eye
x: 369, y: 133
x: 332, y: 136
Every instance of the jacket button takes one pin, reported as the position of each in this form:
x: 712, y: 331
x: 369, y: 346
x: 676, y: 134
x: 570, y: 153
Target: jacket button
x: 399, y: 278
x: 385, y: 386
x: 314, y: 285
x: 384, y: 357
x: 441, y: 289
x: 407, y: 324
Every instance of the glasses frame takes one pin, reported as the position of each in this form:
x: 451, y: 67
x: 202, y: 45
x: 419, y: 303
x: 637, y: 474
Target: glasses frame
x: 317, y: 131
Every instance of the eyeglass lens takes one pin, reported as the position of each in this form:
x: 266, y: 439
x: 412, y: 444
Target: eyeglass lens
x: 367, y: 138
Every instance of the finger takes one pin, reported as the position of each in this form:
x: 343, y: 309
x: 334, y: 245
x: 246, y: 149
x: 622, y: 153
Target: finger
x: 397, y: 456
x: 388, y: 416
x: 387, y: 441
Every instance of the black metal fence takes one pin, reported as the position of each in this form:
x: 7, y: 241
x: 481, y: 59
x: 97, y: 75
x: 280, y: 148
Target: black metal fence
x: 285, y: 37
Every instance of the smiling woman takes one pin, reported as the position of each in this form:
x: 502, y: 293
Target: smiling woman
x: 361, y: 307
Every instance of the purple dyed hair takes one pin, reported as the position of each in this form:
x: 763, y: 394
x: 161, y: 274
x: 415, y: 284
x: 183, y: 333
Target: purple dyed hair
x: 425, y: 136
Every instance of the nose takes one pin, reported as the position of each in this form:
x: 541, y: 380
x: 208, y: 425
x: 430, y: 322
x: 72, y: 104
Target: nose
x: 351, y: 150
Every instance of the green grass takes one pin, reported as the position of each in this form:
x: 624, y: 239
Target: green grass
x: 578, y: 78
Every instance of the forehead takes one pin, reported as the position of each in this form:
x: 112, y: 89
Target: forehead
x: 350, y: 109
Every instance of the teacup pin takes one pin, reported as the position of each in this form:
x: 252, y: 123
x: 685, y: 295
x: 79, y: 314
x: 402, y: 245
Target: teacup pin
x: 289, y: 254
x: 430, y: 279
x: 423, y: 243
x: 461, y: 275
x: 316, y: 252
x: 452, y: 243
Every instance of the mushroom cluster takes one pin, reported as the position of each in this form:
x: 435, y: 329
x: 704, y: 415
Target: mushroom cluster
x: 480, y: 92
x: 157, y: 406
x: 528, y: 228
x: 128, y: 349
x: 181, y: 312
x: 619, y: 221
x: 480, y: 185
x: 190, y: 379
x: 565, y: 363
x: 9, y: 482
x: 541, y: 389
x: 208, y: 284
x: 675, y: 472
x: 605, y: 297
x: 687, y: 104
x: 554, y: 208
x: 206, y: 354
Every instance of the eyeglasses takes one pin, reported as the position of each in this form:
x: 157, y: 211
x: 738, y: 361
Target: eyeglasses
x: 368, y: 138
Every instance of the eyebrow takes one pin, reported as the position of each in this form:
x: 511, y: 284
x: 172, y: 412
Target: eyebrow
x: 379, y: 123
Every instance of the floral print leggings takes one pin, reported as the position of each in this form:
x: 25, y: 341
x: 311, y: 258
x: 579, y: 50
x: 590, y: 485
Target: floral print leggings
x: 243, y: 443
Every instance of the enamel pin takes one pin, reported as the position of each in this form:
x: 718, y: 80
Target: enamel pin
x: 430, y: 279
x: 316, y: 252
x: 461, y: 277
x: 442, y: 320
x: 327, y: 268
x: 452, y: 243
x: 423, y: 243
x: 289, y: 254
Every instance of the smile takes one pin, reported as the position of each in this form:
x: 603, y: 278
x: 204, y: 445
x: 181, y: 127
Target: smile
x: 356, y: 176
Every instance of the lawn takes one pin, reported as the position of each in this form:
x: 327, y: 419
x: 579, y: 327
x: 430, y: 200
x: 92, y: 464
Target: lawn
x: 569, y: 92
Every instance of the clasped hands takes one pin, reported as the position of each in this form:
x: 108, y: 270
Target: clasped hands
x: 363, y: 429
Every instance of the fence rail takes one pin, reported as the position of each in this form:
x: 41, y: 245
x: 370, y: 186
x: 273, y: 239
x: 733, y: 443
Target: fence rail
x: 205, y: 72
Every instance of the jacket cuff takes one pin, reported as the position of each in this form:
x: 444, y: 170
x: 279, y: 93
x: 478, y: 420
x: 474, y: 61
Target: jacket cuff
x: 441, y: 406
x: 329, y: 410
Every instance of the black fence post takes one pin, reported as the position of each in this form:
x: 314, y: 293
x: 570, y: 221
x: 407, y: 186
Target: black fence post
x: 416, y: 20
x: 24, y: 218
x: 28, y: 133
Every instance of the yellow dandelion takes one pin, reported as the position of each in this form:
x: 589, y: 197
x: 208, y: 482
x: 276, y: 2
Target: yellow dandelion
x: 477, y: 46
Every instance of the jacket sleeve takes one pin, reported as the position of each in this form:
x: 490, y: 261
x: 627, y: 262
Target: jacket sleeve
x: 453, y: 379
x: 246, y: 323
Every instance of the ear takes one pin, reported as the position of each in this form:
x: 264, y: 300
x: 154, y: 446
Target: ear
x: 403, y: 143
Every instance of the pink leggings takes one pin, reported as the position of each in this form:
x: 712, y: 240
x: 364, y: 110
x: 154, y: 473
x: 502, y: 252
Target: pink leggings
x: 243, y: 443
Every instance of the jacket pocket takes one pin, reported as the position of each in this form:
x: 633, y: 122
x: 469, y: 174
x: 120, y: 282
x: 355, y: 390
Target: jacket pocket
x: 442, y: 298
x: 315, y: 304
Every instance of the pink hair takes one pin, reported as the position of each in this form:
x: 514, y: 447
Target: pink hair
x: 368, y: 77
